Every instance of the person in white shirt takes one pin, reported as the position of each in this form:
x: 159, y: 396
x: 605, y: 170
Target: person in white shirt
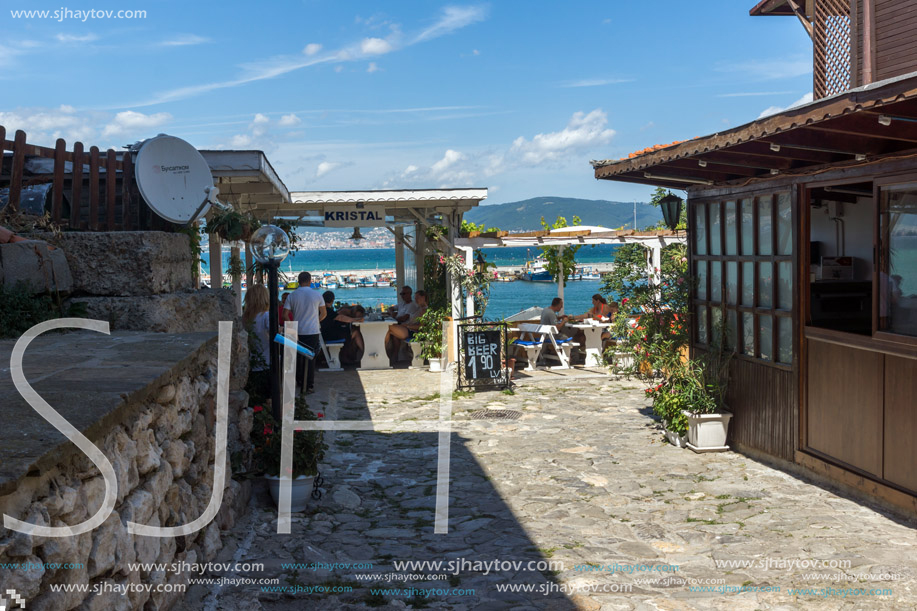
x: 306, y: 306
x: 406, y: 308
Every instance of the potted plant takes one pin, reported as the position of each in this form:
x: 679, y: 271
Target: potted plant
x: 232, y: 225
x: 430, y: 334
x: 308, y: 450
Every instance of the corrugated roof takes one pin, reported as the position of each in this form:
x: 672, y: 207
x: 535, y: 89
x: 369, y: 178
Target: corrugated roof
x: 842, y: 128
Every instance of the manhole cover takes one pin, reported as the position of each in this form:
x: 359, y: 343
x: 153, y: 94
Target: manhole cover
x: 496, y: 414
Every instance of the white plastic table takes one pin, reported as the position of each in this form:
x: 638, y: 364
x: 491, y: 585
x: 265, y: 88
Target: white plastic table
x: 374, y: 356
x: 593, y: 332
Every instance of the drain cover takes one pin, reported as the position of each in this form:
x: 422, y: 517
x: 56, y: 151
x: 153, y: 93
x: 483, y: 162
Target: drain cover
x: 496, y: 414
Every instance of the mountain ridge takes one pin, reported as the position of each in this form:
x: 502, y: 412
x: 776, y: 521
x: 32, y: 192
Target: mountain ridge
x: 525, y: 215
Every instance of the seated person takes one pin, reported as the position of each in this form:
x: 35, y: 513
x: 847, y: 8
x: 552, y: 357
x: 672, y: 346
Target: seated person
x: 405, y: 309
x: 341, y: 328
x: 405, y: 330
x: 600, y: 310
x: 549, y: 316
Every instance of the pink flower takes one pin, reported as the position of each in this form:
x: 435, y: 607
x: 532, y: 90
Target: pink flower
x: 442, y: 259
x: 267, y: 430
x: 257, y: 408
x: 623, y: 301
x: 320, y: 415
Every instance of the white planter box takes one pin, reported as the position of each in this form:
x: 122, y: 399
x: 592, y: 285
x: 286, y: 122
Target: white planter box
x: 707, y: 432
x: 675, y: 439
x: 436, y: 364
x: 300, y: 492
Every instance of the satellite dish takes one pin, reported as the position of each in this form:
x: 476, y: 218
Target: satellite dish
x: 173, y: 178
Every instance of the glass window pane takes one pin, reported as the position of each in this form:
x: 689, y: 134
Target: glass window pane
x: 765, y: 284
x: 748, y: 283
x: 731, y: 329
x: 716, y: 281
x: 702, y: 325
x: 784, y: 224
x: 702, y: 280
x: 898, y: 262
x: 784, y: 340
x: 785, y: 285
x: 700, y: 229
x: 732, y: 282
x: 716, y: 322
x: 748, y: 333
x: 715, y: 229
x: 731, y: 228
x: 748, y: 226
x: 766, y: 336
x: 765, y: 237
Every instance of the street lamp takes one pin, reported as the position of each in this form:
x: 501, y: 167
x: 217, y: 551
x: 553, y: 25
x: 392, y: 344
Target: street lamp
x: 671, y: 210
x: 270, y: 245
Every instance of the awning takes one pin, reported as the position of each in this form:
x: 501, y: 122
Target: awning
x: 849, y: 129
x: 404, y: 205
x: 246, y: 179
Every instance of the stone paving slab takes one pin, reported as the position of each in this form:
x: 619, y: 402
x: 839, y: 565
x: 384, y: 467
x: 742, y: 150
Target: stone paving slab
x: 582, y: 480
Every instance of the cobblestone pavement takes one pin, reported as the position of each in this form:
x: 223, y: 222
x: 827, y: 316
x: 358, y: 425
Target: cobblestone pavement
x: 582, y: 487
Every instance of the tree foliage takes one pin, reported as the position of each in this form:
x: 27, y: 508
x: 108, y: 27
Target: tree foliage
x: 560, y: 258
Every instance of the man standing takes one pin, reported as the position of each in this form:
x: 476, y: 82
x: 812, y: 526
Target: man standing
x: 307, y: 307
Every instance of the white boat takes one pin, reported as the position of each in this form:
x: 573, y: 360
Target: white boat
x: 383, y: 280
x: 534, y: 271
x: 330, y: 282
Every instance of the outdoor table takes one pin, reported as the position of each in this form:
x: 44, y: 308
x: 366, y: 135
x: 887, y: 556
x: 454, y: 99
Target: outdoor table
x: 593, y: 331
x: 374, y: 356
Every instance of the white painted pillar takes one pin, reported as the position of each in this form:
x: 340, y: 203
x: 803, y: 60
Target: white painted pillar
x: 216, y: 261
x: 654, y: 272
x: 399, y: 261
x: 420, y: 252
x: 469, y: 266
x: 560, y: 279
x: 235, y: 254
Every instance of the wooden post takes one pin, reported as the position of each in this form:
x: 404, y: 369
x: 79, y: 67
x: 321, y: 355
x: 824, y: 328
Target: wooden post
x: 249, y: 262
x: 216, y: 262
x: 94, y: 188
x: 399, y: 261
x: 16, y: 173
x: 76, y: 186
x: 110, y: 192
x: 234, y: 257
x: 57, y: 187
x: 127, y: 183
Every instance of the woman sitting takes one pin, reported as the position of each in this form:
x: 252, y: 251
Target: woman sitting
x: 256, y: 320
x: 601, y: 311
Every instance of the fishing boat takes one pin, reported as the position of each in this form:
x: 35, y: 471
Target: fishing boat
x: 383, y: 280
x: 587, y: 273
x: 534, y: 271
x: 330, y: 282
x: 350, y: 282
x: 367, y: 282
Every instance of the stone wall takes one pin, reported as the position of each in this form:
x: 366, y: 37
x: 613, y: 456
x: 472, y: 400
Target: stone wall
x: 161, y: 444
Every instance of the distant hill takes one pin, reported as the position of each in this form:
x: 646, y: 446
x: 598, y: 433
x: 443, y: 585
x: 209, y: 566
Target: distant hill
x: 526, y: 215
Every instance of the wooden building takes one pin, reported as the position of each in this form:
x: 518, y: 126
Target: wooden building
x: 803, y: 236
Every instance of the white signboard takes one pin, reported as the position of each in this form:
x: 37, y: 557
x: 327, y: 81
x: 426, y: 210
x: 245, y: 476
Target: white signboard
x: 355, y: 215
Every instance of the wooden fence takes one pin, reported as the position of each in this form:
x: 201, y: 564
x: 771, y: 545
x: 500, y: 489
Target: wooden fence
x: 98, y: 188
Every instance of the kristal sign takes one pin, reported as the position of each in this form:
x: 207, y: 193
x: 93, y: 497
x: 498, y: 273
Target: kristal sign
x: 104, y: 464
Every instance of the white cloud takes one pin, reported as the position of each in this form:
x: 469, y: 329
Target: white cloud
x: 373, y: 67
x: 773, y: 110
x: 768, y: 69
x: 752, y: 94
x: 339, y: 69
x: 289, y: 120
x: 583, y: 131
x: 375, y: 46
x: 475, y: 52
x: 311, y: 49
x: 130, y: 122
x: 326, y: 167
x: 453, y: 18
x: 597, y: 82
x: 71, y: 38
x: 184, y: 40
x: 43, y: 125
x: 240, y: 141
x: 259, y: 125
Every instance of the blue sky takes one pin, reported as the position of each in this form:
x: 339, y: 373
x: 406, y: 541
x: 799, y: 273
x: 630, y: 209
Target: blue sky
x: 513, y: 96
